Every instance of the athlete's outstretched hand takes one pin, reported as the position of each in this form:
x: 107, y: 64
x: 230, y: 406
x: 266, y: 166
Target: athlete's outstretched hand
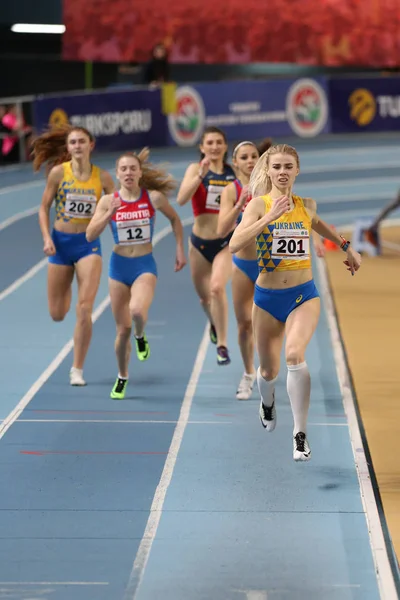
x: 279, y: 207
x: 180, y: 260
x: 353, y: 261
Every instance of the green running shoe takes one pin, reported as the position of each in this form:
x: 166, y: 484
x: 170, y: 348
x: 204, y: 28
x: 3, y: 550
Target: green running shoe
x: 119, y: 389
x: 142, y: 348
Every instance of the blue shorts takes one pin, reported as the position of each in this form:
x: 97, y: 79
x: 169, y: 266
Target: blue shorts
x: 280, y: 303
x: 127, y: 270
x: 71, y: 247
x: 248, y: 267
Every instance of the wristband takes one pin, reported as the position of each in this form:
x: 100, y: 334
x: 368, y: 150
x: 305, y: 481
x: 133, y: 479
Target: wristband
x: 345, y: 244
x: 200, y: 175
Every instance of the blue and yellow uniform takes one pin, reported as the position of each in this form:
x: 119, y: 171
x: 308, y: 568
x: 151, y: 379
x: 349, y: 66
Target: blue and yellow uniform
x: 75, y: 202
x: 284, y: 245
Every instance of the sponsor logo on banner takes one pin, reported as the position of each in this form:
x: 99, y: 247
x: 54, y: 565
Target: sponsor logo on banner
x: 362, y: 107
x: 365, y: 107
x: 187, y: 124
x: 105, y: 124
x: 306, y: 107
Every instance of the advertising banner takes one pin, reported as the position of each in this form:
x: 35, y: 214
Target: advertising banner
x: 119, y: 120
x: 371, y: 104
x: 250, y: 110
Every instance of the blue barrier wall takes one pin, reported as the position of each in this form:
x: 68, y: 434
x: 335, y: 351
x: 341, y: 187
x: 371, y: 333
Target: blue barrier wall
x: 304, y: 107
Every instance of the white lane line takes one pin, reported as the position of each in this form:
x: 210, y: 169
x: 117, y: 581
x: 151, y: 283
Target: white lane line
x: 19, y: 187
x: 156, y: 509
x: 23, y: 279
x: 19, y: 583
x: 18, y: 216
x: 123, y: 421
x: 383, y: 569
x: 23, y: 403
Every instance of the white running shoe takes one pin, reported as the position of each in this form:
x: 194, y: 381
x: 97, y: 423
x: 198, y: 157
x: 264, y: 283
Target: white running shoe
x: 268, y: 416
x: 76, y: 377
x: 301, y: 449
x: 245, y: 386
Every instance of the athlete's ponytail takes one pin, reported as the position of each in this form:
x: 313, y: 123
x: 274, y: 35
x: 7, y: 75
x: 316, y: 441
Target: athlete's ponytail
x: 51, y: 146
x: 153, y: 177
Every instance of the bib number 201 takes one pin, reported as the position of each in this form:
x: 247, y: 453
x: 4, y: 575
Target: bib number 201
x: 285, y: 246
x: 294, y: 247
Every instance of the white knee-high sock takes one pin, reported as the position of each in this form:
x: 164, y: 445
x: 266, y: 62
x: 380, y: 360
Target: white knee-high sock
x: 266, y: 389
x: 298, y: 389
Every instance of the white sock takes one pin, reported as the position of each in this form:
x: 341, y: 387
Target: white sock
x: 120, y: 377
x: 299, y: 389
x: 266, y: 389
x: 76, y: 370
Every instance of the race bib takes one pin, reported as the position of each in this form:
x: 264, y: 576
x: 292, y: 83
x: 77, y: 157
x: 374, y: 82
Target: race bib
x: 290, y: 244
x: 80, y: 207
x: 213, y: 200
x: 133, y: 232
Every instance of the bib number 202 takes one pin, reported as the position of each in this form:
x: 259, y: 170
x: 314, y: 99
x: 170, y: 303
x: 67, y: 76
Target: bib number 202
x: 80, y: 207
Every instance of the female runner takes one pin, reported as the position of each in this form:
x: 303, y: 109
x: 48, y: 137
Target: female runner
x: 76, y: 185
x: 133, y: 270
x: 234, y: 200
x: 286, y: 300
x: 209, y: 256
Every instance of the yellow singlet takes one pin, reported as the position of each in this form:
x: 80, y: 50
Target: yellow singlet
x: 284, y: 245
x: 76, y: 200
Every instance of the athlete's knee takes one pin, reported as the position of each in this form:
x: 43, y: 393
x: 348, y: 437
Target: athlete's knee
x: 84, y: 310
x: 205, y: 302
x: 57, y: 314
x: 137, y: 312
x: 245, y: 327
x: 217, y: 288
x: 269, y: 373
x: 294, y: 354
x: 124, y: 332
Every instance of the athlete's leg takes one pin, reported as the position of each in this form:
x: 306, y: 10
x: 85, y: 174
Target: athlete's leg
x: 243, y: 294
x: 120, y: 297
x: 200, y: 269
x: 220, y: 274
x: 88, y: 273
x: 268, y: 335
x: 300, y: 326
x: 59, y: 290
x: 142, y: 294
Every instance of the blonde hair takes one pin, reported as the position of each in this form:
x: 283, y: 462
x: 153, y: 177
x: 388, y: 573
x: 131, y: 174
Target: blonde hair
x: 260, y: 183
x: 153, y: 178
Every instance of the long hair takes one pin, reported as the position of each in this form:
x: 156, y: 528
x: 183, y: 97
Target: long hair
x: 51, y: 146
x: 260, y: 183
x: 153, y: 177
